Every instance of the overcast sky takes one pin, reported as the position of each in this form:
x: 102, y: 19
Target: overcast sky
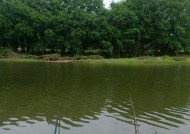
x: 107, y: 2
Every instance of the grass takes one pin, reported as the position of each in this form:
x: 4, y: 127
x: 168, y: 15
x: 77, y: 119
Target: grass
x: 89, y: 57
x: 50, y: 57
x: 143, y: 60
x: 137, y: 60
x: 19, y: 60
x: 10, y: 56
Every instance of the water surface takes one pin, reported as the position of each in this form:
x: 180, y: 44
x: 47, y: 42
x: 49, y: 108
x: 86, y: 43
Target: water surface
x: 94, y: 98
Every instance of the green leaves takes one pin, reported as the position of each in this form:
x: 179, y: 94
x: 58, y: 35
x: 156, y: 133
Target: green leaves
x: 129, y: 28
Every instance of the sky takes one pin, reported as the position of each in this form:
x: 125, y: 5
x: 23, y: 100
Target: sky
x: 107, y: 2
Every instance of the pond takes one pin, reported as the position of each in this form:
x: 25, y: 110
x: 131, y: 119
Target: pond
x: 94, y: 98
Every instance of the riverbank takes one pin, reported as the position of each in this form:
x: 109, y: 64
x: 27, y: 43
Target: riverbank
x: 144, y: 60
x: 8, y: 55
x: 135, y: 60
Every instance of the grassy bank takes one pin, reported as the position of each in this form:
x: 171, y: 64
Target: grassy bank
x: 19, y: 60
x: 137, y: 60
x: 10, y: 56
x: 143, y: 60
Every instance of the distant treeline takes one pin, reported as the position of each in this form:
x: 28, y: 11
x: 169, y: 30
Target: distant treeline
x: 71, y: 27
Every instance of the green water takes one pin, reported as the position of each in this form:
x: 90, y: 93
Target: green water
x: 95, y: 99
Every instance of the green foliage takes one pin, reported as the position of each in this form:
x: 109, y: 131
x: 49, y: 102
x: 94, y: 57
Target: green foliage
x: 3, y: 52
x: 7, y: 53
x: 50, y: 57
x: 89, y: 57
x: 28, y: 56
x: 180, y: 59
x: 129, y: 28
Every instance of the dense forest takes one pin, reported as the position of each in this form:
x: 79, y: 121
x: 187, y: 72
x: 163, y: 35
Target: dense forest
x: 78, y: 27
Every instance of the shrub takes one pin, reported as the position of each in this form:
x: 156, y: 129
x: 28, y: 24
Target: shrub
x: 50, y: 57
x: 88, y: 57
x: 179, y: 58
x: 8, y: 53
x: 31, y: 57
x: 67, y: 58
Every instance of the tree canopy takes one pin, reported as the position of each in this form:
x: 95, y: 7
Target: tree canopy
x: 128, y: 28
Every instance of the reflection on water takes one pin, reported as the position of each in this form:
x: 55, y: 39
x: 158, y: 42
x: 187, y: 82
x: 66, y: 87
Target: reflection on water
x: 94, y: 98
